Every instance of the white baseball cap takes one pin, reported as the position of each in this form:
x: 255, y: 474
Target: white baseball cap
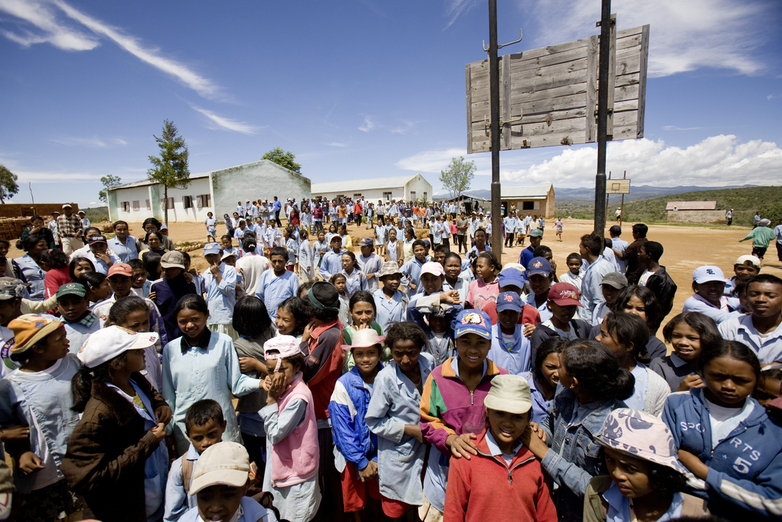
x: 707, y: 273
x: 106, y: 344
x: 225, y: 463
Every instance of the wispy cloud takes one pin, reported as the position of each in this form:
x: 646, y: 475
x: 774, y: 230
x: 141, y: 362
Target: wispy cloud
x: 221, y: 122
x: 715, y: 161
x: 675, y: 128
x: 337, y: 144
x: 43, y: 16
x: 454, y: 8
x: 684, y: 35
x: 368, y: 125
x: 773, y: 96
x: 406, y: 127
x: 430, y: 161
x: 93, y: 143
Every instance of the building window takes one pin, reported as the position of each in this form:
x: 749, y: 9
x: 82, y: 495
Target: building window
x: 387, y: 196
x: 358, y: 195
x: 136, y: 206
x: 149, y: 207
x: 167, y: 203
x: 187, y: 202
x: 425, y: 196
x: 204, y: 200
x: 126, y: 206
x: 412, y: 195
x: 528, y: 205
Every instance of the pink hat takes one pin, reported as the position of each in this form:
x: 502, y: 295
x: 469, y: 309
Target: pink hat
x: 284, y: 345
x: 432, y: 267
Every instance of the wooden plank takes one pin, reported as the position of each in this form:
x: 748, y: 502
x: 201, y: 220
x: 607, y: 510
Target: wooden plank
x: 505, y: 101
x: 573, y: 68
x: 519, y: 63
x: 642, y: 82
x: 611, y: 78
x: 591, y: 91
x: 467, y: 73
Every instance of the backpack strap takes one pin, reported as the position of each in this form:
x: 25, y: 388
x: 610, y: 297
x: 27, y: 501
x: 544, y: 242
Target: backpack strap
x: 187, y: 472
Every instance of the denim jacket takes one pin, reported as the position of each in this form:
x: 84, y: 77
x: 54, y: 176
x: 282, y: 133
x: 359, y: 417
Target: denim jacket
x: 575, y: 456
x: 43, y: 401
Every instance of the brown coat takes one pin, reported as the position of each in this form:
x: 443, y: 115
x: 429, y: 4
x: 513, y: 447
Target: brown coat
x: 107, y: 451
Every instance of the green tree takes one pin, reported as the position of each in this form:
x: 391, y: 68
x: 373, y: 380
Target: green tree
x: 8, y: 186
x: 170, y: 169
x: 108, y: 182
x: 283, y: 158
x: 457, y: 178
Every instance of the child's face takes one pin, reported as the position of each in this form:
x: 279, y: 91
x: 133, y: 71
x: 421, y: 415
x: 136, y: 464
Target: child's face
x: 336, y: 244
x: 550, y: 369
x: 321, y: 236
x: 574, y: 265
x: 610, y: 293
x: 439, y: 257
x: 765, y: 299
x: 340, y: 284
x: 728, y: 381
x: 286, y: 368
x: 139, y: 277
x: 366, y: 251
x: 636, y: 306
x: 508, y: 319
x: 686, y: 342
x: 438, y: 323
x: 366, y: 358
x: 363, y: 314
x: 432, y: 283
x: 278, y: 264
x: 539, y: 284
x: 711, y: 291
x: 206, y: 435
x: 137, y: 321
x: 80, y: 268
x: 392, y: 235
x: 219, y: 503
x: 420, y: 253
x: 453, y: 267
x: 191, y: 322
x: 630, y: 474
x: 745, y: 271
x: 134, y: 361
x: 609, y: 340
x: 55, y: 345
x: 285, y: 322
x: 347, y: 263
x: 72, y: 307
x: 473, y: 350
x: 120, y: 285
x: 154, y: 242
x: 226, y: 243
x: 506, y: 427
x: 102, y: 291
x: 563, y: 313
x: 4, y: 249
x: 391, y: 283
x: 767, y: 390
x: 405, y: 354
x: 170, y: 273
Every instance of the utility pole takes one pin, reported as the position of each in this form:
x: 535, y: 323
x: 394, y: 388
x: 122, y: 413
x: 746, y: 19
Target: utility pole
x: 602, y: 118
x: 494, y: 97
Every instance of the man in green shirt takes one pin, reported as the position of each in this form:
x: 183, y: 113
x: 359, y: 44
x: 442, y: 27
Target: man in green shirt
x: 761, y: 236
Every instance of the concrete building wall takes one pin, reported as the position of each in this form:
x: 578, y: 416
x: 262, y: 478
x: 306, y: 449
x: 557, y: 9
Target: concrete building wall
x: 697, y: 216
x: 418, y: 188
x: 130, y: 204
x: 188, y: 202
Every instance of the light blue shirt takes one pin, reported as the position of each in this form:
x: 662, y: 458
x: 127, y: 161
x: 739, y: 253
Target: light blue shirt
x: 412, y: 271
x: 637, y: 400
x: 125, y: 252
x: 514, y: 358
x: 728, y: 305
x: 354, y: 281
x: 79, y: 331
x: 330, y: 264
x: 273, y: 290
x: 591, y: 293
x: 620, y: 245
x: 370, y: 265
x: 768, y: 348
x: 100, y: 266
x: 177, y: 501
x: 390, y: 311
x: 221, y: 297
x: 619, y: 506
x: 543, y: 310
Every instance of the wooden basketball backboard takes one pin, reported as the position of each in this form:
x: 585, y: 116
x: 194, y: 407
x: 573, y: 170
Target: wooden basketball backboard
x: 618, y: 186
x: 548, y: 96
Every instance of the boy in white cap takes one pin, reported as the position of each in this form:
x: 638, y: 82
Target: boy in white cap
x: 708, y: 283
x: 746, y: 267
x: 503, y: 481
x: 220, y: 286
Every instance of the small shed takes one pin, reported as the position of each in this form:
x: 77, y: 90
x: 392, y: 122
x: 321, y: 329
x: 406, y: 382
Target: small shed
x: 535, y: 199
x: 695, y: 212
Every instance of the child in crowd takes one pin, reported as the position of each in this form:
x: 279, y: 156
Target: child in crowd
x: 211, y: 228
x: 139, y: 285
x: 563, y: 301
x: 434, y: 320
x: 769, y: 385
x: 573, y: 274
x: 340, y: 283
x: 708, y: 283
x: 369, y: 263
x: 227, y: 247
x: 745, y: 268
x: 79, y: 322
x: 688, y: 333
x: 390, y: 302
x: 411, y: 269
x: 482, y: 293
x: 96, y: 285
x: 644, y: 477
x: 198, y: 365
x: 641, y: 301
x: 78, y: 266
x: 36, y: 415
x: 594, y: 385
x: 56, y: 263
x: 220, y: 483
x: 503, y: 481
x: 452, y: 411
x: 355, y: 279
x: 362, y: 315
x: 331, y: 262
x: 278, y: 284
x: 290, y: 244
x: 355, y: 446
x: 220, y: 287
x: 393, y: 415
x: 544, y: 377
x: 291, y: 432
x: 115, y: 457
x: 626, y: 335
x: 204, y: 425
x: 611, y: 286
x: 558, y: 225
x: 540, y: 277
x: 253, y: 326
x: 737, y: 451
x: 293, y: 315
x: 510, y: 349
x: 169, y: 290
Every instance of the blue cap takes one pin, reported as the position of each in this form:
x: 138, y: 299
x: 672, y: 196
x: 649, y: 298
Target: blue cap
x: 473, y: 321
x: 367, y: 241
x: 508, y: 301
x: 539, y: 266
x: 511, y: 277
x: 212, y: 248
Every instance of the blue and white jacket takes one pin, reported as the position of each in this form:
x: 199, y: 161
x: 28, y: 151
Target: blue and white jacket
x: 353, y: 442
x: 745, y: 469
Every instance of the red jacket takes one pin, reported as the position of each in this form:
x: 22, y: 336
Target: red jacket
x: 486, y: 488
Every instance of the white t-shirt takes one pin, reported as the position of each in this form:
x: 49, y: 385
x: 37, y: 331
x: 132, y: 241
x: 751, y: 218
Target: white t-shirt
x: 725, y: 420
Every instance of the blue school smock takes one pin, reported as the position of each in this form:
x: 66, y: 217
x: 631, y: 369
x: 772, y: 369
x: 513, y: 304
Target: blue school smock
x: 400, y: 458
x: 390, y: 311
x: 370, y: 265
x: 221, y: 297
x: 514, y: 358
x: 78, y: 331
x: 203, y: 373
x: 330, y: 264
x: 412, y: 271
x: 745, y: 468
x: 177, y: 501
x: 33, y: 274
x: 124, y: 251
x: 273, y: 290
x: 354, y: 281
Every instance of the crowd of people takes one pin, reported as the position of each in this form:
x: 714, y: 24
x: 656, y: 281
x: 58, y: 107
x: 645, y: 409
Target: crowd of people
x: 415, y: 379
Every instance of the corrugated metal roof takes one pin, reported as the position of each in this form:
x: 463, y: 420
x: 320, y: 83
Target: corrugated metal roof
x: 691, y: 205
x: 357, y: 185
x: 526, y: 192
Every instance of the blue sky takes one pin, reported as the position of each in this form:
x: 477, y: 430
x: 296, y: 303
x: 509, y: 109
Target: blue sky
x: 364, y: 88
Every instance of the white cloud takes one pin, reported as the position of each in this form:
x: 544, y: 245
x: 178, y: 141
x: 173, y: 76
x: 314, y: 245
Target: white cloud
x: 715, y: 161
x: 773, y: 96
x: 44, y: 19
x: 92, y: 143
x: 431, y: 160
x: 337, y: 144
x: 675, y: 128
x: 454, y: 8
x: 407, y: 126
x: 684, y: 35
x: 221, y: 122
x: 25, y: 176
x: 368, y: 125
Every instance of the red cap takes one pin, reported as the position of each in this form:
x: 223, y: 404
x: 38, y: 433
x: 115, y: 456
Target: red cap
x: 564, y: 294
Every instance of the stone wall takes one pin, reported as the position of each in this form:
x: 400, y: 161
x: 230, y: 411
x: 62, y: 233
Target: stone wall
x: 13, y: 210
x: 697, y: 217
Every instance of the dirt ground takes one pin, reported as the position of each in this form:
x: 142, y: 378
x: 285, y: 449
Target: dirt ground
x: 686, y: 248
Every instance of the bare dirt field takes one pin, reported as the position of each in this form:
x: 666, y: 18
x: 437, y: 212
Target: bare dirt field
x: 686, y: 248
